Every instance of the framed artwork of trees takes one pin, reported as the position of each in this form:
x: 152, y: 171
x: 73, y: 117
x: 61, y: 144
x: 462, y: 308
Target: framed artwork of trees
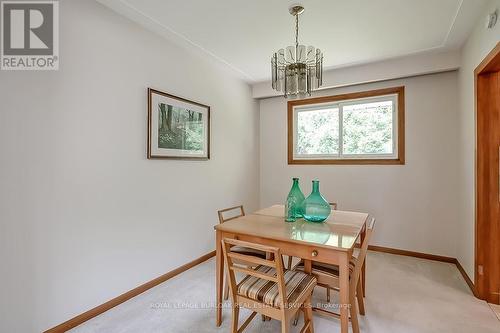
x: 177, y: 128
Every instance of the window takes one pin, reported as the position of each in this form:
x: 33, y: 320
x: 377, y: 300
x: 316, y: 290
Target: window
x: 358, y: 128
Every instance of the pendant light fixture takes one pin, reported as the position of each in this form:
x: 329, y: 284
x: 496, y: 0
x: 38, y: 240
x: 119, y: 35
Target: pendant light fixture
x: 297, y: 70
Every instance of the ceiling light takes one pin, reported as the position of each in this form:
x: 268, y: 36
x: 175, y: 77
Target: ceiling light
x: 297, y: 70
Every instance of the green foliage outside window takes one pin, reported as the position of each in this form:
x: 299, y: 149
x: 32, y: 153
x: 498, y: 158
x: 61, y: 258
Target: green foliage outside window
x: 367, y: 128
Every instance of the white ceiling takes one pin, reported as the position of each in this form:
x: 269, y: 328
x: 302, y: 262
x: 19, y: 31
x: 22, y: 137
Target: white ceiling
x: 244, y: 34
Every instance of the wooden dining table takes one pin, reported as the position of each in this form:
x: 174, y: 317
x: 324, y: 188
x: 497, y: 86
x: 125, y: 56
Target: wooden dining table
x: 332, y: 242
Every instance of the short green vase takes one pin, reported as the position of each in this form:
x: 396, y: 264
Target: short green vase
x: 315, y: 207
x: 294, y: 201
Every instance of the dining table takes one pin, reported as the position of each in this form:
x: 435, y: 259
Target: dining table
x: 332, y: 241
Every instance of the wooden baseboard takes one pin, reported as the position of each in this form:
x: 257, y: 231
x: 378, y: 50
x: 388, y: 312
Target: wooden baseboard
x: 411, y: 254
x: 466, y: 278
x: 73, y: 322
x: 428, y: 257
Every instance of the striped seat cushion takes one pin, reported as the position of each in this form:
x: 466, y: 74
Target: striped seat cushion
x: 326, y: 269
x: 296, y: 284
x: 248, y: 251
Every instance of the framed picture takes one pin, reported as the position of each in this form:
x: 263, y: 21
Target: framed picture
x: 177, y: 128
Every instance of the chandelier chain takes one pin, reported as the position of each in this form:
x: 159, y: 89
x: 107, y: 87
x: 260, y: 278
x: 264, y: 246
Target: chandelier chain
x: 297, y: 31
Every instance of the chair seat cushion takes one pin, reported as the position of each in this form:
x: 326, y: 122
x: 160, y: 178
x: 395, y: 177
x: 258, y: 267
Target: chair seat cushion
x: 326, y: 269
x: 296, y: 284
x: 248, y: 251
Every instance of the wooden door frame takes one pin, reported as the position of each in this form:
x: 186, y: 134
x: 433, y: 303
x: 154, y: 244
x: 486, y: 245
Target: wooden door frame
x: 490, y: 64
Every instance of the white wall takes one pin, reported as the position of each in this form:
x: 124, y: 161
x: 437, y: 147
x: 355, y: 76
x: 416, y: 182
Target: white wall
x: 415, y: 204
x: 478, y: 45
x: 84, y: 216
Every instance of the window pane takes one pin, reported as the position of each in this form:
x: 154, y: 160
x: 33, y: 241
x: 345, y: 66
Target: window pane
x: 318, y: 131
x: 367, y: 128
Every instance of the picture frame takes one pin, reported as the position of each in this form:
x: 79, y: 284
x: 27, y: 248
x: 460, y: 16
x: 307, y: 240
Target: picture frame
x: 178, y: 128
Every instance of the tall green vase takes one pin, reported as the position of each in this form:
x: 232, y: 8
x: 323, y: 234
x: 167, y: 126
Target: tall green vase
x: 316, y: 208
x: 294, y: 201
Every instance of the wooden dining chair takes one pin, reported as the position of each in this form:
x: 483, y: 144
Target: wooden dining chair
x: 229, y: 214
x: 290, y: 258
x: 328, y: 277
x: 267, y: 289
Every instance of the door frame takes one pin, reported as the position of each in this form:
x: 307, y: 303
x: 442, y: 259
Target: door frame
x: 490, y: 64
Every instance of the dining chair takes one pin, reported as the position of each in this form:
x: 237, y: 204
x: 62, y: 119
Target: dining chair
x: 232, y: 213
x: 267, y: 288
x: 290, y: 258
x: 328, y: 277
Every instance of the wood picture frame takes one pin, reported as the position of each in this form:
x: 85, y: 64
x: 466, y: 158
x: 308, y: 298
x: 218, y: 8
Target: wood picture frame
x: 178, y: 128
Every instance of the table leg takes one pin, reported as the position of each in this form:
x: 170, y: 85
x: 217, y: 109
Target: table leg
x: 219, y: 276
x: 344, y: 292
x: 307, y: 266
x: 363, y: 268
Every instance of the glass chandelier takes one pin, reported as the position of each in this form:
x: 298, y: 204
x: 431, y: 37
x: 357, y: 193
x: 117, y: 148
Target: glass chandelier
x: 297, y: 70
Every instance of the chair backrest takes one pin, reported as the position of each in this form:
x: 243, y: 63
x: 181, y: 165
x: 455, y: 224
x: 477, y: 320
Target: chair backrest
x: 334, y: 205
x: 362, y: 253
x: 223, y: 219
x: 275, y: 263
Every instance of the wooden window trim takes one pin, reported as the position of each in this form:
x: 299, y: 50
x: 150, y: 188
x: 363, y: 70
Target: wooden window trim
x: 399, y: 91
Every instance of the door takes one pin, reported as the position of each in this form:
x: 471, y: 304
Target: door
x: 487, y: 254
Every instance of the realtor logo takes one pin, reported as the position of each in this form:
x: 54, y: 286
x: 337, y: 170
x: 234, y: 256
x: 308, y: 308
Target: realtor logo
x: 30, y: 35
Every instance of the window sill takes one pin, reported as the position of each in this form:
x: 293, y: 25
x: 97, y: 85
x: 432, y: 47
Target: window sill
x: 397, y: 161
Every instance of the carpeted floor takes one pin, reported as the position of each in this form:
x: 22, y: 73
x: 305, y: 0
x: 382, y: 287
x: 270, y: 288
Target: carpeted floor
x: 404, y: 295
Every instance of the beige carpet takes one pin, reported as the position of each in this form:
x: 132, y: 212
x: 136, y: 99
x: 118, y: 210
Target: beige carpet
x: 496, y: 309
x: 404, y: 295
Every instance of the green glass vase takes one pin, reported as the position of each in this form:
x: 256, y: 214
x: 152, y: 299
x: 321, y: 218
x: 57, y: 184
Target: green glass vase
x: 294, y: 201
x: 315, y: 207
